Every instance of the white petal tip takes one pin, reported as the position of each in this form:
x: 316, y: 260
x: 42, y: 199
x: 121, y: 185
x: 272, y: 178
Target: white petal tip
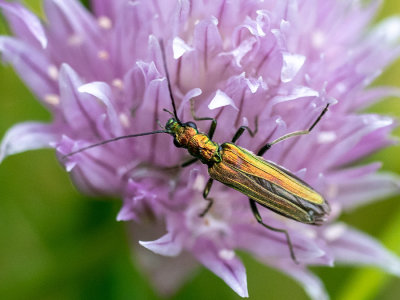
x: 69, y: 166
x: 124, y: 215
x: 179, y: 47
x: 333, y: 101
x: 394, y: 269
x: 92, y: 88
x: 220, y: 100
x: 292, y: 63
x: 43, y: 43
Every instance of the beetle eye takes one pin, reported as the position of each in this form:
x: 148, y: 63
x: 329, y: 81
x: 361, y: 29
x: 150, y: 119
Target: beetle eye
x: 191, y: 124
x: 176, y: 143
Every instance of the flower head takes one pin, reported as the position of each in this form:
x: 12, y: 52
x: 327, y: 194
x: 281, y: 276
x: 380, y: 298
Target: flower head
x: 271, y: 64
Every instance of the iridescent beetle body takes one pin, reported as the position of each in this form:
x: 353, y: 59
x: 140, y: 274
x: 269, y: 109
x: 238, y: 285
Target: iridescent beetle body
x: 263, y: 181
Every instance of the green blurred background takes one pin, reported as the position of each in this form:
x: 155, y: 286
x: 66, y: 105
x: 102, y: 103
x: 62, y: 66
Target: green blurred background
x: 57, y: 244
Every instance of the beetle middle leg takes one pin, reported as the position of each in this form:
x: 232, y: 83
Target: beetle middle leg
x: 241, y: 129
x: 257, y: 215
x: 188, y: 162
x: 206, y: 191
x: 182, y: 165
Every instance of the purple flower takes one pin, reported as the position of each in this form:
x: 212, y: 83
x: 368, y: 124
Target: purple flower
x: 101, y: 75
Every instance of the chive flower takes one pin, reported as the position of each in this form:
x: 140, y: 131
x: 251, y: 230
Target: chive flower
x: 271, y: 62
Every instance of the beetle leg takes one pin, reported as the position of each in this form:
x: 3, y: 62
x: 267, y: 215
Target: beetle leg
x: 189, y: 162
x: 205, y: 194
x: 213, y: 121
x: 292, y: 134
x: 184, y: 164
x: 241, y: 129
x: 257, y: 215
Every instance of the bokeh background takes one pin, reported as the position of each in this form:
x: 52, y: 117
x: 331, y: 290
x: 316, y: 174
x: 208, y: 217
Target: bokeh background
x: 57, y: 244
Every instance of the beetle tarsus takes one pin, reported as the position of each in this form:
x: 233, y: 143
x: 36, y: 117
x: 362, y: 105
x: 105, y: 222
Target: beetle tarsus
x: 257, y: 215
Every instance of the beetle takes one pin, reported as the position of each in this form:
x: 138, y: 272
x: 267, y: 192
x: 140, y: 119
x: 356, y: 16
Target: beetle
x: 264, y: 182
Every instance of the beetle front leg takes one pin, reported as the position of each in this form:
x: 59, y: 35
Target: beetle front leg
x: 257, y: 215
x: 213, y: 125
x: 205, y: 196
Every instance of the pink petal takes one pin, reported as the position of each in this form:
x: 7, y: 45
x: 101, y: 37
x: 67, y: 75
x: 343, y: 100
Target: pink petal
x: 228, y: 267
x: 27, y: 136
x: 353, y: 173
x: 127, y: 211
x: 353, y: 247
x: 292, y: 63
x: 207, y: 40
x: 350, y: 143
x: 102, y: 91
x: 76, y: 38
x: 107, y: 8
x: 296, y: 92
x: 363, y: 190
x: 32, y: 65
x: 167, y: 274
x: 220, y: 100
x: 25, y: 24
x: 190, y: 95
x: 311, y: 283
x: 137, y: 198
x: 168, y: 245
x: 67, y: 17
x: 373, y: 95
x: 180, y: 47
x: 271, y: 246
x: 80, y: 110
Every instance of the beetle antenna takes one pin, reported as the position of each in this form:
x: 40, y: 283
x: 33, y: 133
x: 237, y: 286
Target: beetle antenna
x: 168, y: 80
x: 113, y: 140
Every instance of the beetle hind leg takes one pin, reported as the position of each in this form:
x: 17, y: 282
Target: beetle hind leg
x: 267, y: 146
x: 257, y: 215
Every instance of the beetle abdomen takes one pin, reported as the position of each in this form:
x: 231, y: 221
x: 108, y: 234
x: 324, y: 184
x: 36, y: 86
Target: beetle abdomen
x: 269, y: 185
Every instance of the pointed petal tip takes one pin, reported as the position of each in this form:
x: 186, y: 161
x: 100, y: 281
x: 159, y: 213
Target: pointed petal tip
x: 221, y: 99
x: 167, y: 245
x: 27, y: 136
x: 224, y: 264
x: 125, y: 215
x: 96, y: 88
x: 69, y: 166
x: 292, y: 63
x: 311, y: 283
x: 65, y: 67
x: 394, y: 267
x: 180, y: 47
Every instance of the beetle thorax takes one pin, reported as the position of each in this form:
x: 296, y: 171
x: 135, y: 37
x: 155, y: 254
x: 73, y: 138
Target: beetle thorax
x: 202, y: 147
x: 184, y: 134
x: 198, y: 144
